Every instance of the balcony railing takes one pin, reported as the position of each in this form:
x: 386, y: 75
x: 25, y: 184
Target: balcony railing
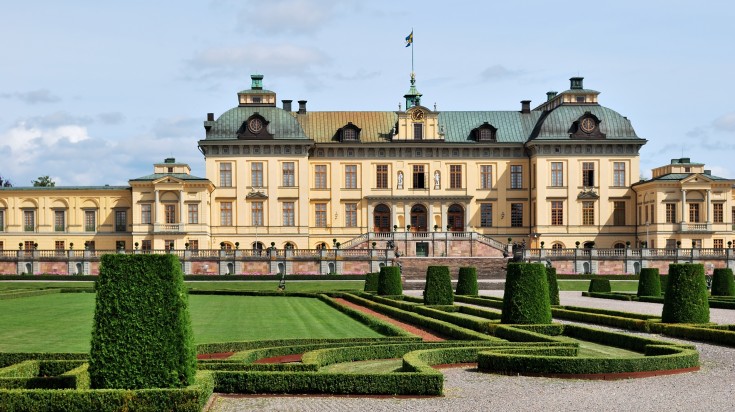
x: 695, y: 227
x: 59, y: 228
x: 29, y: 228
x: 169, y: 227
x: 90, y: 228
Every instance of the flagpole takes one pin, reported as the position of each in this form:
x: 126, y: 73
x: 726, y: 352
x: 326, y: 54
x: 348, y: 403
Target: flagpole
x: 412, y: 50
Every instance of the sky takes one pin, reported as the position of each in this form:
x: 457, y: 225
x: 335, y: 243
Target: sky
x: 94, y: 93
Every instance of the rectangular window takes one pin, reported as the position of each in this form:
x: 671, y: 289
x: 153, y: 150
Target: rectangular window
x: 351, y: 176
x: 169, y: 244
x: 516, y: 177
x: 486, y: 215
x: 588, y: 213
x: 697, y: 243
x: 289, y: 174
x: 225, y: 174
x: 59, y: 247
x: 557, y: 174
x: 619, y: 213
x: 718, y: 243
x: 256, y: 174
x: 29, y: 220
x: 2, y: 220
x: 486, y: 177
x: 145, y: 214
x: 170, y: 214
x: 320, y: 216
x: 557, y: 213
x: 381, y: 176
x: 194, y: 244
x: 320, y: 176
x: 455, y: 176
x: 90, y: 221
x: 29, y: 245
x: 419, y: 181
x: 418, y: 131
x: 2, y: 245
x: 193, y: 213
x: 516, y: 215
x: 718, y: 213
x: 671, y: 213
x: 619, y: 174
x: 351, y: 214
x: 693, y: 212
x: 90, y: 245
x: 119, y: 245
x: 225, y: 214
x: 288, y: 214
x: 588, y: 174
x: 256, y: 213
x: 59, y: 221
x: 146, y: 245
x: 121, y: 221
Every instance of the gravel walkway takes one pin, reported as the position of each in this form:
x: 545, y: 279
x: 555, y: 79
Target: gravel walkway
x: 710, y: 389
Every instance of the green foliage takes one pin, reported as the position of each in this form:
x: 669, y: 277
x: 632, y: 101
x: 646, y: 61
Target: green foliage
x: 438, y: 286
x: 685, y: 300
x: 467, y: 281
x: 526, y: 297
x: 389, y: 281
x: 371, y: 282
x: 372, y: 322
x: 14, y: 294
x: 142, y: 335
x: 486, y: 301
x: 722, y: 282
x: 460, y: 319
x: 43, y: 181
x: 600, y: 285
x: 649, y: 283
x: 700, y: 333
x: 553, y: 286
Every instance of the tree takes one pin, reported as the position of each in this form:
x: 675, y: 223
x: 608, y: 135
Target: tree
x: 43, y: 181
x: 5, y: 182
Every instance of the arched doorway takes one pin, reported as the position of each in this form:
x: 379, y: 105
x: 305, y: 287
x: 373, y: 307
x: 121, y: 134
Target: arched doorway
x: 418, y: 218
x: 381, y: 218
x: 455, y: 218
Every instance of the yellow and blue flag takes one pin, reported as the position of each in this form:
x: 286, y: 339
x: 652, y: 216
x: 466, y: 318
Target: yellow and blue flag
x: 409, y: 39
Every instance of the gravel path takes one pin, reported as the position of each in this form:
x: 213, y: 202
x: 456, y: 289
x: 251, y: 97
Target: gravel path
x: 710, y: 389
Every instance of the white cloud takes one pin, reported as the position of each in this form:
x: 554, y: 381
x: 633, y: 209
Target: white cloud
x: 33, y: 96
x: 111, y: 118
x: 498, y: 71
x: 287, y: 16
x: 725, y: 122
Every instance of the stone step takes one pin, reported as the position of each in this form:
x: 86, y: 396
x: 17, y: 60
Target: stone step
x: 487, y: 268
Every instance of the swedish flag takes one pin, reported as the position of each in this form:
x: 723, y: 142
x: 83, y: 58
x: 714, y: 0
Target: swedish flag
x: 409, y: 39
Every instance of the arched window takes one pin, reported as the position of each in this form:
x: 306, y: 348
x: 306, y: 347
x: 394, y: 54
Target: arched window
x: 321, y: 246
x: 556, y: 248
x: 381, y: 218
x: 455, y: 218
x: 289, y: 245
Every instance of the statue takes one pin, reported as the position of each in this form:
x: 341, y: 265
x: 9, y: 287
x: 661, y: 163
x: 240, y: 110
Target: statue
x: 437, y: 180
x: 400, y: 180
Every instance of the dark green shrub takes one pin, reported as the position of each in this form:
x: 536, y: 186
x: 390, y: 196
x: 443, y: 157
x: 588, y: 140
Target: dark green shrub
x: 685, y: 300
x: 438, y: 289
x: 600, y: 285
x: 467, y: 281
x: 371, y: 282
x: 142, y: 335
x: 553, y: 286
x: 526, y: 297
x: 649, y: 283
x: 389, y: 281
x: 722, y: 282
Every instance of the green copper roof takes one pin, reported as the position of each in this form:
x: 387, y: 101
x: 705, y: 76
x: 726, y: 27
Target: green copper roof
x: 513, y: 126
x: 682, y: 176
x: 255, y: 91
x: 65, y: 188
x: 322, y: 127
x: 156, y: 176
x: 557, y: 123
x: 282, y: 124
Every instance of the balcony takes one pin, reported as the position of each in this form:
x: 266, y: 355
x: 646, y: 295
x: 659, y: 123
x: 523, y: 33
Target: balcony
x: 169, y: 228
x: 29, y: 228
x: 59, y: 229
x: 685, y: 227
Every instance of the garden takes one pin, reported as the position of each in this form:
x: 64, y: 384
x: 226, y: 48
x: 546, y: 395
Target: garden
x: 153, y: 343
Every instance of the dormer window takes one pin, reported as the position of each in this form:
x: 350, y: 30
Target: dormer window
x: 485, y: 133
x: 349, y: 133
x: 587, y: 127
x: 255, y: 127
x: 580, y: 99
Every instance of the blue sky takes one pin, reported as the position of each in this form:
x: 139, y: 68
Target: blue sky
x: 93, y: 93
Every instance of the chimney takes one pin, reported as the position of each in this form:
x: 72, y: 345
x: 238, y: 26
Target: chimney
x: 550, y: 95
x: 287, y: 105
x: 302, y: 106
x: 210, y: 117
x: 708, y: 172
x: 576, y: 83
x: 525, y: 106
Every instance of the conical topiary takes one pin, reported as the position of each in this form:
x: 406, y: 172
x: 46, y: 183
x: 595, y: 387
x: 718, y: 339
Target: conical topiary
x: 438, y: 289
x: 371, y: 282
x: 686, y: 300
x: 649, y: 283
x: 389, y: 281
x: 723, y: 283
x: 553, y: 285
x: 467, y: 281
x: 526, y: 297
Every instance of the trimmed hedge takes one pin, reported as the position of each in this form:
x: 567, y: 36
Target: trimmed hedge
x: 371, y: 282
x: 685, y: 300
x: 649, y: 283
x: 526, y: 297
x: 467, y: 281
x: 723, y: 283
x: 553, y: 286
x: 389, y: 281
x: 15, y: 294
x: 702, y: 334
x: 384, y: 328
x: 142, y: 335
x: 438, y: 289
x: 226, y: 278
x: 599, y: 285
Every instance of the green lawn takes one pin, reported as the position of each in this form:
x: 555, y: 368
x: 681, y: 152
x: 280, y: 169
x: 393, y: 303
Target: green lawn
x: 584, y: 285
x: 63, y: 322
x: 292, y: 286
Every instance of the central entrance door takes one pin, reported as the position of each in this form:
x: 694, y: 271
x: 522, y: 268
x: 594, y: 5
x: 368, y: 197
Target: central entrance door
x: 418, y: 218
x: 422, y: 249
x: 381, y: 218
x: 455, y: 218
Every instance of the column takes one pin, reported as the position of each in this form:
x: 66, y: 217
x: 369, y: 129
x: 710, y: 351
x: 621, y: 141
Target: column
x: 683, y: 205
x: 369, y: 220
x: 708, y: 209
x: 155, y: 208
x: 444, y: 219
x: 406, y: 214
x: 430, y: 223
x: 182, y: 213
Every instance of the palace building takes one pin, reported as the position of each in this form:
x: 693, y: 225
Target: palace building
x: 563, y: 172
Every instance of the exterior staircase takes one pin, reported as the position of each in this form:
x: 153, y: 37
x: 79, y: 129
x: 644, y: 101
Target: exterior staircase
x: 490, y: 270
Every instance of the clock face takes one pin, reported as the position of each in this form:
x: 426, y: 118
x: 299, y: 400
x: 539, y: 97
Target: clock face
x: 255, y: 125
x: 587, y: 124
x: 417, y: 115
